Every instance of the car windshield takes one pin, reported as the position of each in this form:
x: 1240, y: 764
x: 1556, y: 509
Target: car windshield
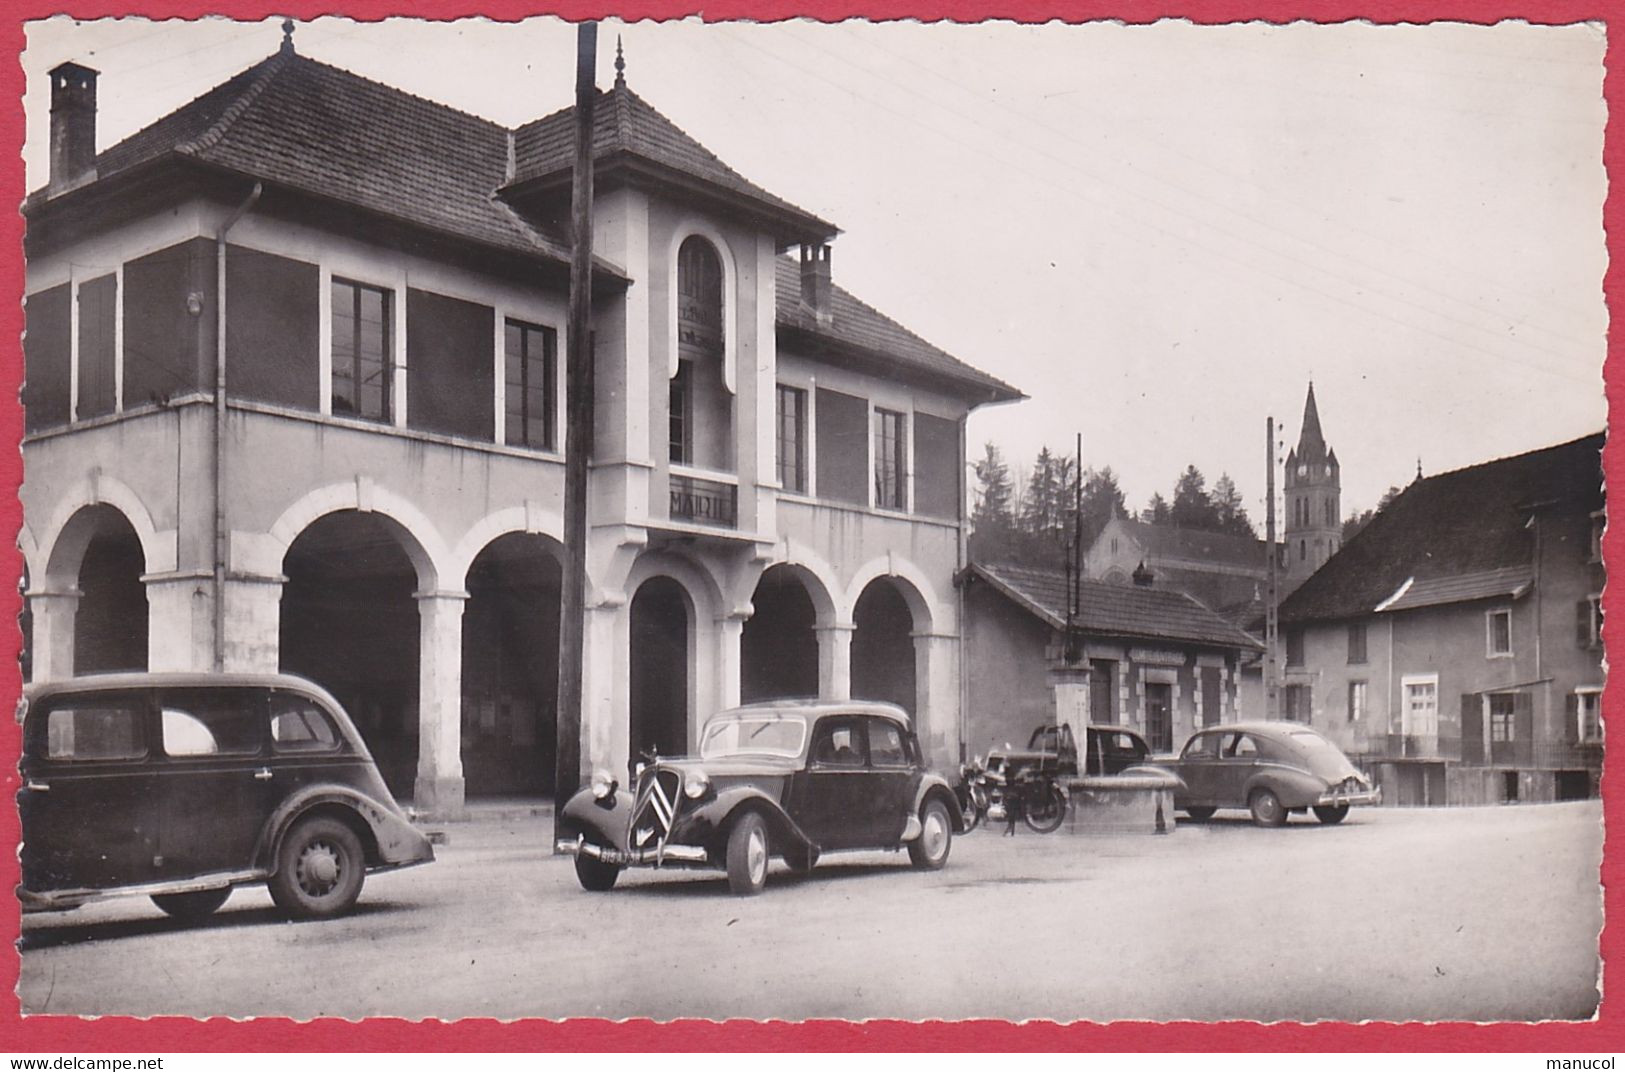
x: 769, y: 733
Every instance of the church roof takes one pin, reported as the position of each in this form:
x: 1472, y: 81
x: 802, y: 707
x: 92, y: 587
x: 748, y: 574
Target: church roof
x: 1453, y: 537
x: 1311, y: 448
x: 1195, y: 545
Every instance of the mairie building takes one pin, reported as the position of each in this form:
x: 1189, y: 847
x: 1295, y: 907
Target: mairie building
x: 295, y: 401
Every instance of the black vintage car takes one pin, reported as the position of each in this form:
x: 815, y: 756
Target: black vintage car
x: 180, y: 787
x: 788, y: 778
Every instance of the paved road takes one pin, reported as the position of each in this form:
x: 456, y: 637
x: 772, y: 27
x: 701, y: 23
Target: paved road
x: 1482, y: 913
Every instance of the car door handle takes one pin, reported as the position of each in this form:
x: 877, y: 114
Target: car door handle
x: 263, y: 774
x: 38, y: 787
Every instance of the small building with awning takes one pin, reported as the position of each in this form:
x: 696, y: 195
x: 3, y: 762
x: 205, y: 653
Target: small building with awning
x: 1152, y: 659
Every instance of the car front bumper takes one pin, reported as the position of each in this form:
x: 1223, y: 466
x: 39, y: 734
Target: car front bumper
x: 654, y: 857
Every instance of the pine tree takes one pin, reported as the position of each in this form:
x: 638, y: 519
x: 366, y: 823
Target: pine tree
x: 1192, y: 509
x: 992, y: 519
x: 1228, y: 510
x: 1102, y: 501
x: 1156, y: 512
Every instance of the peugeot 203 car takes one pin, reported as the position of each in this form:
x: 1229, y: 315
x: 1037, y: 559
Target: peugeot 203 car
x: 181, y: 787
x: 1271, y: 769
x: 791, y: 779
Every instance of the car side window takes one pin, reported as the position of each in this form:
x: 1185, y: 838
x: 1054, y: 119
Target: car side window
x: 839, y: 743
x: 298, y: 724
x: 886, y: 747
x: 95, y: 729
x: 1124, y: 745
x: 213, y: 722
x: 1204, y: 747
x: 1241, y: 746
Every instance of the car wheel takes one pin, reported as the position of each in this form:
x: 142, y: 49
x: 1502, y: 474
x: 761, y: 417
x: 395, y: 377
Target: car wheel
x: 1331, y: 814
x: 747, y: 855
x: 191, y: 906
x: 1266, y: 808
x: 320, y: 868
x: 1200, y: 812
x: 929, y: 851
x: 595, y: 875
x: 1046, y: 810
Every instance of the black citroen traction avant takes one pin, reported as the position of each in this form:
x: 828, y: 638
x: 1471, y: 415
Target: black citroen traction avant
x: 788, y: 778
x: 180, y: 787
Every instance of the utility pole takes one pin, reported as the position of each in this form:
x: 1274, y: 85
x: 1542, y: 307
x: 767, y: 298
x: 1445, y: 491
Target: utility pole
x: 1272, y: 624
x: 578, y: 411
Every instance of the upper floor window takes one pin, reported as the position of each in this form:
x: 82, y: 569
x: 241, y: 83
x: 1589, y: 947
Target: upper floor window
x: 363, y: 362
x: 530, y: 354
x: 792, y: 438
x: 699, y: 296
x: 1588, y: 621
x: 1503, y: 708
x: 1498, y: 627
x: 1356, y: 643
x: 1297, y: 703
x: 1294, y: 647
x: 891, y: 482
x: 1357, y: 701
x: 681, y: 422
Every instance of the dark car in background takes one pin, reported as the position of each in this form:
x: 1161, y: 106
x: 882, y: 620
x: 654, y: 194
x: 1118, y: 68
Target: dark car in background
x: 1270, y: 768
x: 793, y: 779
x: 180, y: 787
x: 1053, y: 751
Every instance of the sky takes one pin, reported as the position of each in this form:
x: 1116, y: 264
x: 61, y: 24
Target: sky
x: 1162, y: 234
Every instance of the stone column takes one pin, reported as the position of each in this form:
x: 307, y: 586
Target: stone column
x: 730, y: 630
x: 254, y: 624
x: 936, y: 688
x: 835, y: 661
x: 180, y: 621
x: 1069, y: 695
x: 51, y: 642
x: 604, y: 691
x: 438, y: 790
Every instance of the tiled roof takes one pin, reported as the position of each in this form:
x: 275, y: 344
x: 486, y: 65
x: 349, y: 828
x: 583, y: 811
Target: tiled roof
x: 625, y: 124
x: 1512, y: 581
x: 858, y: 326
x: 1199, y: 545
x: 301, y: 124
x: 1116, y: 610
x: 1461, y: 535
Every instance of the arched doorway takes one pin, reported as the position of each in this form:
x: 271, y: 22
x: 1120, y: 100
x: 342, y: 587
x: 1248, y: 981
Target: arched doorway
x: 110, y: 620
x: 511, y: 667
x: 350, y: 624
x: 660, y: 660
x: 778, y: 647
x: 883, y: 646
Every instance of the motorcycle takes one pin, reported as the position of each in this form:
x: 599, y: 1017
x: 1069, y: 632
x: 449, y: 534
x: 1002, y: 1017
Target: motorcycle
x: 973, y: 793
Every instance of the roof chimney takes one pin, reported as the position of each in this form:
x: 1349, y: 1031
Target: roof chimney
x: 73, y: 125
x: 815, y: 281
x: 1143, y: 578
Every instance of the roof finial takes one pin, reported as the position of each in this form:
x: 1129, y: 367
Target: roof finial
x: 620, y: 63
x: 1419, y: 467
x: 287, y: 35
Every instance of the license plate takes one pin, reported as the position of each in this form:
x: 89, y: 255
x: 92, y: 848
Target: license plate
x: 612, y: 856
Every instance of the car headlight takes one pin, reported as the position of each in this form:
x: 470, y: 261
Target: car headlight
x: 603, y: 784
x: 695, y: 785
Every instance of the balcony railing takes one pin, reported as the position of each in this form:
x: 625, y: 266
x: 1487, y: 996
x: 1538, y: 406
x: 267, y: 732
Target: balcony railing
x: 704, y: 502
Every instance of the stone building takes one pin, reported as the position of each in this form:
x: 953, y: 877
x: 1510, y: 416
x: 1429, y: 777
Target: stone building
x: 295, y: 401
x: 1453, y: 647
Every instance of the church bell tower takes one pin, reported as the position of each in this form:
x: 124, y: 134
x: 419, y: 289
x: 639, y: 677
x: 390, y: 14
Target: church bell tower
x: 1314, y: 522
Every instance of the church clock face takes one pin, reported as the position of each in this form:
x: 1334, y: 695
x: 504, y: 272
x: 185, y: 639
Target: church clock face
x: 1303, y: 470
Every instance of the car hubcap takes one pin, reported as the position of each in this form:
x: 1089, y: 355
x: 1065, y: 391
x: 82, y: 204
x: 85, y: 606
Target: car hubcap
x: 756, y: 856
x: 318, y: 869
x: 936, y: 833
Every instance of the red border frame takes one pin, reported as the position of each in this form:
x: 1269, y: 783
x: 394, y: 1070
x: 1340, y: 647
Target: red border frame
x: 179, y: 1034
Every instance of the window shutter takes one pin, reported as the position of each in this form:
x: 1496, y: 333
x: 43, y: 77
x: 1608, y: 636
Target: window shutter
x: 1582, y: 623
x: 1575, y: 732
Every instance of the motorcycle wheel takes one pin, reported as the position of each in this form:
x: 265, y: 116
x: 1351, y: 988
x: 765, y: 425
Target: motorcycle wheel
x: 971, y: 814
x: 1046, y: 809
